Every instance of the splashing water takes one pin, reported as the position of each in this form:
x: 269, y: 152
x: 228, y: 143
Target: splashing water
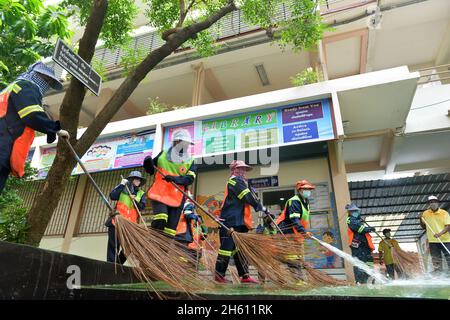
x: 355, y: 262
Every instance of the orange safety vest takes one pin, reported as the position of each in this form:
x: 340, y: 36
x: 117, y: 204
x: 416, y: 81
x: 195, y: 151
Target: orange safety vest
x: 197, y: 243
x: 182, y: 225
x: 248, y: 221
x: 22, y: 144
x: 351, y: 234
x: 162, y: 190
x: 304, y: 220
x: 126, y: 207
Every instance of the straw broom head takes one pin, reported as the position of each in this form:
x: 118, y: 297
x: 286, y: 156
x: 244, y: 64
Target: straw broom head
x: 157, y: 258
x: 409, y: 262
x: 270, y: 254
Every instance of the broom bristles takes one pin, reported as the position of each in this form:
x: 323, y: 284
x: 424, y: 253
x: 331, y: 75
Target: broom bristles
x: 155, y: 257
x: 409, y: 262
x: 270, y: 254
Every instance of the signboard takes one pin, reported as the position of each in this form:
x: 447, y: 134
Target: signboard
x: 77, y: 67
x: 292, y: 124
x: 108, y: 154
x: 264, y: 182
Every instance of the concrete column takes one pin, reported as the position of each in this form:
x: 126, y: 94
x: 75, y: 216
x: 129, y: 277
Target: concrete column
x: 341, y: 195
x: 199, y: 79
x: 74, y: 213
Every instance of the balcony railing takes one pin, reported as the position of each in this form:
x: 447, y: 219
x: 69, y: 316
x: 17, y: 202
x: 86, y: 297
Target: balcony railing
x: 436, y: 74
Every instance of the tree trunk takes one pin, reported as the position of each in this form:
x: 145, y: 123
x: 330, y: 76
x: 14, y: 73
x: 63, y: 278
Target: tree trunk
x: 41, y: 212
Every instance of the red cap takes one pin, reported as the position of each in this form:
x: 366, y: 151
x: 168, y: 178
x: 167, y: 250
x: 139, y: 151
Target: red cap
x: 304, y: 184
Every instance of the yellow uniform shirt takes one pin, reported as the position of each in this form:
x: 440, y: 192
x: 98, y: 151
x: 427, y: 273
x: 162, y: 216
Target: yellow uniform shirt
x: 386, y: 249
x: 437, y: 221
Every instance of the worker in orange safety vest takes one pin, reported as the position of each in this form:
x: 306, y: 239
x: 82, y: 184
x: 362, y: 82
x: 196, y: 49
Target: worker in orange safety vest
x: 127, y: 209
x: 21, y: 113
x: 177, y: 166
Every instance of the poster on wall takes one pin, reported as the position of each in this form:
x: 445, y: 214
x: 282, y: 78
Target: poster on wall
x: 47, y: 157
x: 107, y: 154
x: 117, y: 153
x: 323, y: 226
x: 320, y: 197
x: 292, y: 124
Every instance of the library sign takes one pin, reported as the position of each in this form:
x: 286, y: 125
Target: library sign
x: 292, y: 124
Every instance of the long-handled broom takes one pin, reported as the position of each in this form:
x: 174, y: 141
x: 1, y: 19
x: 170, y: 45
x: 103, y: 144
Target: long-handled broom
x: 209, y: 258
x: 153, y: 256
x: 314, y: 276
x: 256, y: 249
x: 408, y: 262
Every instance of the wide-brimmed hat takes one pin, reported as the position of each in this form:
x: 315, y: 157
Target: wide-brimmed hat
x: 41, y: 68
x: 240, y: 164
x: 138, y: 175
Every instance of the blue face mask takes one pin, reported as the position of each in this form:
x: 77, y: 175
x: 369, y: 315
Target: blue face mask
x: 356, y: 214
x: 306, y: 194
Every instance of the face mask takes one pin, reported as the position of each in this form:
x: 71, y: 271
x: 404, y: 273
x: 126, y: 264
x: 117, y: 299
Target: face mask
x: 434, y: 206
x: 355, y: 214
x: 306, y: 194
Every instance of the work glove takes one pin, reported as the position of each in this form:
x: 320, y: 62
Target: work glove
x: 124, y: 182
x: 307, y: 234
x: 63, y: 134
x: 371, y: 229
x: 169, y: 178
x: 265, y: 210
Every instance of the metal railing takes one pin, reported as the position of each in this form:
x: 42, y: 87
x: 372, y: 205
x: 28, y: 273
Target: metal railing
x: 434, y: 74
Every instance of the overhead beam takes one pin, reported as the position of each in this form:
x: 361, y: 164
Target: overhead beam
x: 322, y: 60
x: 213, y: 86
x: 199, y: 79
x: 367, y: 134
x: 363, y: 167
x: 423, y: 165
x: 443, y: 55
x: 132, y: 109
x: 363, y: 51
x: 386, y: 148
x: 371, y: 36
x: 364, y: 38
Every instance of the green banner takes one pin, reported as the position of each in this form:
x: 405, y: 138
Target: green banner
x: 248, y: 121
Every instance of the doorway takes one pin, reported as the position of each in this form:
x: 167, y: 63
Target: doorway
x: 275, y: 200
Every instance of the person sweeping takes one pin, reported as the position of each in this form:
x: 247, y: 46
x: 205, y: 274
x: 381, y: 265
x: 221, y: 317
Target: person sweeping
x: 436, y: 221
x: 189, y: 228
x: 385, y: 249
x: 360, y: 241
x: 128, y: 191
x: 294, y: 219
x: 178, y: 167
x: 21, y: 113
x: 236, y: 214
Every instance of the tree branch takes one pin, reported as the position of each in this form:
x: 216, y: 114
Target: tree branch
x: 73, y: 99
x: 127, y: 87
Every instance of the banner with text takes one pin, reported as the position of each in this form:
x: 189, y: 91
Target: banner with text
x: 292, y: 124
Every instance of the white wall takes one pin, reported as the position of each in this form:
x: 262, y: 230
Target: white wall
x: 432, y: 105
x: 93, y: 247
x: 314, y: 170
x: 51, y: 243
